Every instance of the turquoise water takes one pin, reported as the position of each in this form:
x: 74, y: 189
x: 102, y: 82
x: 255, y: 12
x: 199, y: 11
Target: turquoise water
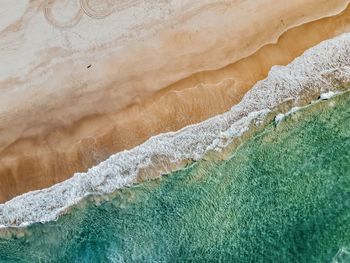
x: 283, y: 196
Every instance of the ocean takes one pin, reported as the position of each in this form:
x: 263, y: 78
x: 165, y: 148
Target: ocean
x: 282, y: 195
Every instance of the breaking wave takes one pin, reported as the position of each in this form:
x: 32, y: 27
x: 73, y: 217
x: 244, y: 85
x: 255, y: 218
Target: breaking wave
x: 321, y: 69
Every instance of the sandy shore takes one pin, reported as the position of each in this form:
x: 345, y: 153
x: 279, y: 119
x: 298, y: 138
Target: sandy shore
x: 59, y: 115
x: 321, y: 72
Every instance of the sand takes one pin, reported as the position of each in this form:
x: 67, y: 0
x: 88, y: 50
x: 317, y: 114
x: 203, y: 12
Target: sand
x: 174, y: 64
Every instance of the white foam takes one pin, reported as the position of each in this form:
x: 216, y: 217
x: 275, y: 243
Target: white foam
x: 320, y: 69
x: 279, y: 117
x: 324, y: 96
x: 328, y: 95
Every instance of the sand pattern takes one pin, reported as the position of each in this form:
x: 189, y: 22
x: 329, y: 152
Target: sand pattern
x: 77, y: 88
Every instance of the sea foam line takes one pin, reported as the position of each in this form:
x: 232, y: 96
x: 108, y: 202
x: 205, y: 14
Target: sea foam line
x: 321, y: 69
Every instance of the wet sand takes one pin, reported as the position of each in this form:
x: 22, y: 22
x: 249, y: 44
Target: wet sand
x: 63, y: 117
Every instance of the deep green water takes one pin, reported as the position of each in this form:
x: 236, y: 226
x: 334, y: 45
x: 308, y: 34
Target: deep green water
x: 283, y: 196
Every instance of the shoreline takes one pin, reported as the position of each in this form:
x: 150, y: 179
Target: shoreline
x: 321, y: 69
x: 45, y: 146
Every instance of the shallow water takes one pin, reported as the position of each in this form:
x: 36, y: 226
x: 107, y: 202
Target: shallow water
x: 283, y: 196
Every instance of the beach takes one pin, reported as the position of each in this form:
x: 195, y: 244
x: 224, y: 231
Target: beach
x: 120, y: 91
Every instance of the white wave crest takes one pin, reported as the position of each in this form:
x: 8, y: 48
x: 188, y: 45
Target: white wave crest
x: 321, y: 69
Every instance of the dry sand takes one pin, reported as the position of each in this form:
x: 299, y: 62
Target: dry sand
x: 59, y: 116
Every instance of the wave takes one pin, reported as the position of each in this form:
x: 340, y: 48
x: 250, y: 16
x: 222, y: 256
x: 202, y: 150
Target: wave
x: 321, y: 69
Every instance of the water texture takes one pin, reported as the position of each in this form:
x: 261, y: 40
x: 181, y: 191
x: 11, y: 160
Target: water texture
x: 283, y: 196
x: 321, y: 69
